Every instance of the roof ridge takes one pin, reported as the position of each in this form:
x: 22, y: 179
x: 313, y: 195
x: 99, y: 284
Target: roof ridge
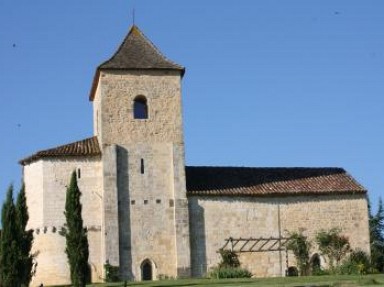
x: 118, y: 49
x: 265, y: 167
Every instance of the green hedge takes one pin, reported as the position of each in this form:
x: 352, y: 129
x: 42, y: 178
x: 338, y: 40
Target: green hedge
x: 228, y: 272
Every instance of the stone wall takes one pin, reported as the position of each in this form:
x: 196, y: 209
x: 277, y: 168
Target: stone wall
x: 33, y: 179
x: 46, y: 202
x: 311, y: 213
x: 117, y: 92
x: 213, y: 219
x: 150, y: 176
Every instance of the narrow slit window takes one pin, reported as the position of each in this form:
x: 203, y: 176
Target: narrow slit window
x: 142, y: 166
x: 78, y: 173
x: 140, y: 108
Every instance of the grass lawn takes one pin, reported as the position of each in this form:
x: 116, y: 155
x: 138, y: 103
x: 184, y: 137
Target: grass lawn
x: 324, y: 281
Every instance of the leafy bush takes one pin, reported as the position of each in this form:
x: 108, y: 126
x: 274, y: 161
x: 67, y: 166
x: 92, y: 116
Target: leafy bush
x: 112, y: 273
x: 229, y: 266
x: 228, y: 259
x: 229, y: 272
x: 333, y: 245
x: 361, y: 258
x: 300, y: 246
x: 358, y: 262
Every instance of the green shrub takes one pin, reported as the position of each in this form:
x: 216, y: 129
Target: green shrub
x: 228, y: 259
x: 357, y: 263
x: 228, y: 272
x: 112, y: 273
x: 333, y: 245
x: 300, y: 246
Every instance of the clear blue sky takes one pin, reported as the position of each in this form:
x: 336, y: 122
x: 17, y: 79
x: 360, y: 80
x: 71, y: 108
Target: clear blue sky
x: 268, y: 83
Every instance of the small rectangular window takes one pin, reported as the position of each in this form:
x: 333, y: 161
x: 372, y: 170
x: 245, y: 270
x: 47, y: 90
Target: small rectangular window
x: 145, y: 201
x: 78, y: 173
x: 142, y: 166
x: 158, y: 201
x: 171, y: 203
x: 132, y: 202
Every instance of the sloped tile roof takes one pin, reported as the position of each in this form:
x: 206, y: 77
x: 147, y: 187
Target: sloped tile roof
x: 136, y: 52
x: 86, y: 147
x: 246, y: 181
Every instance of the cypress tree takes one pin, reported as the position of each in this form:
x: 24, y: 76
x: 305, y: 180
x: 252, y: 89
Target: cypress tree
x: 376, y: 228
x: 9, y: 245
x: 25, y: 238
x: 76, y: 235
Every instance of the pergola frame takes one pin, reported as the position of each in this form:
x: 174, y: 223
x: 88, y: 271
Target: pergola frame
x: 260, y: 244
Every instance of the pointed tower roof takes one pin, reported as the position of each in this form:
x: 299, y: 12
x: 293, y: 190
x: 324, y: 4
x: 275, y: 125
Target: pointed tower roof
x: 136, y: 52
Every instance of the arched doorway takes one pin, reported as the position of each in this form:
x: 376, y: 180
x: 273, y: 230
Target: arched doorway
x: 315, y: 264
x: 146, y: 270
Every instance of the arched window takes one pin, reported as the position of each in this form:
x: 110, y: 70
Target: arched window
x: 140, y: 108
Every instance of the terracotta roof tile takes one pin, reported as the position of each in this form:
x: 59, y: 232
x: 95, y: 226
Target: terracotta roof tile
x: 86, y: 147
x: 249, y: 181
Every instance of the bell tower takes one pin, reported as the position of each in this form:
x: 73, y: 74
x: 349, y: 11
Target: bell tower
x: 136, y: 97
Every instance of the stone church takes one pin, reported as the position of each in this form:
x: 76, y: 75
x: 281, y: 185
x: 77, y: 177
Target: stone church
x: 150, y: 214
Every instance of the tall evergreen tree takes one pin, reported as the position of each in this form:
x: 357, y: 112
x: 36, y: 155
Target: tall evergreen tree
x: 25, y: 239
x: 9, y: 245
x: 376, y: 228
x: 76, y: 235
